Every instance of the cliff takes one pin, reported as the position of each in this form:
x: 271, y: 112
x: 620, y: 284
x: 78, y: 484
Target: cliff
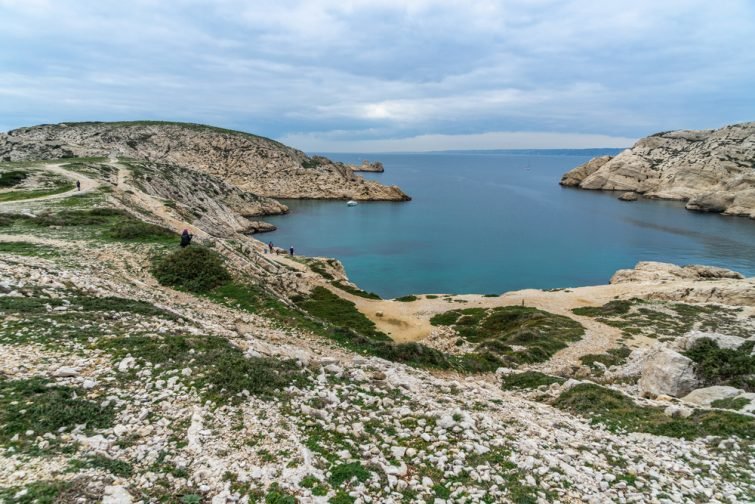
x: 254, y: 164
x: 712, y: 170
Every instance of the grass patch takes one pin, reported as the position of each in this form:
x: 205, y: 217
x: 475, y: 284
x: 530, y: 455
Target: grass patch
x: 612, y: 357
x: 12, y: 178
x: 528, y: 380
x: 353, y: 330
x: 318, y: 268
x: 514, y: 334
x: 344, y: 473
x: 658, y: 318
x: 220, y: 371
x: 36, y: 405
x: 723, y: 366
x: 732, y: 403
x: 135, y: 230
x: 618, y: 412
x: 407, y: 299
x: 81, y: 303
x: 28, y: 249
x: 115, y: 467
x: 194, y: 268
x: 355, y: 291
x: 91, y: 217
x: 46, y: 492
x: 325, y: 305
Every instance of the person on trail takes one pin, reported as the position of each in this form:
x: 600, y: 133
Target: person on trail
x: 291, y: 251
x: 270, y: 246
x: 78, y: 185
x: 186, y: 238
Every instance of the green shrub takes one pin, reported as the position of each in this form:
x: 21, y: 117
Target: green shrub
x: 724, y: 366
x: 619, y: 412
x: 528, y: 380
x: 139, y: 230
x: 732, y: 403
x: 343, y: 473
x: 407, y: 299
x: 12, y: 178
x: 194, y: 268
x: 46, y: 408
x: 340, y: 312
x: 357, y: 292
x: 220, y: 369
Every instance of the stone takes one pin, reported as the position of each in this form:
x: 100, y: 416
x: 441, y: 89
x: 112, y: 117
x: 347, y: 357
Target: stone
x: 629, y: 196
x: 722, y: 340
x: 668, y: 372
x: 705, y: 396
x: 676, y: 411
x: 116, y: 495
x: 126, y: 363
x: 66, y: 372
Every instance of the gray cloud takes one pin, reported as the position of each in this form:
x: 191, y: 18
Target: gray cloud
x: 411, y: 72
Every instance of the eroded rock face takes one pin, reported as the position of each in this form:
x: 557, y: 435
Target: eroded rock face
x: 713, y: 170
x: 255, y: 164
x: 652, y: 271
x: 668, y: 373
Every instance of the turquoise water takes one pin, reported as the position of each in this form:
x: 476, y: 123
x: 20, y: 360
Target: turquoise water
x: 489, y: 222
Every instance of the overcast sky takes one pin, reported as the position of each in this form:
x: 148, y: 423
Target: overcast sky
x: 376, y: 75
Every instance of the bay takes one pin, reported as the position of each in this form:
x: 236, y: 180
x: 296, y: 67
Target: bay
x: 495, y: 221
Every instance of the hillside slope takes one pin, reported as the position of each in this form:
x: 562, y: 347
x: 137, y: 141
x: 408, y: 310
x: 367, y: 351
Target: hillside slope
x: 255, y: 164
x: 712, y: 170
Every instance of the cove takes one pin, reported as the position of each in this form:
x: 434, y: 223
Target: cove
x: 495, y: 221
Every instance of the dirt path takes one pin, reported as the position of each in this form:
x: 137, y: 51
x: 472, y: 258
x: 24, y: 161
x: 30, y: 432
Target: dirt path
x: 87, y: 185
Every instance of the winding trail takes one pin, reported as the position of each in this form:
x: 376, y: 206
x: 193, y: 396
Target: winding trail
x: 87, y: 185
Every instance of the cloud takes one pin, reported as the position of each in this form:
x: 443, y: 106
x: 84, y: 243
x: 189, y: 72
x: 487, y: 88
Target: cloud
x: 382, y: 69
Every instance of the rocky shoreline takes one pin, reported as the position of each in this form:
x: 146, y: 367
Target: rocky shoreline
x: 711, y: 170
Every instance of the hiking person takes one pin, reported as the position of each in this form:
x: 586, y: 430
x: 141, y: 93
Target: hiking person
x: 291, y: 251
x: 186, y: 238
x: 78, y: 185
x: 270, y: 246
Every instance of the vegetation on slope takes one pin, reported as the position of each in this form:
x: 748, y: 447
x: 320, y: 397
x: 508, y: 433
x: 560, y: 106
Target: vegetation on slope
x: 195, y: 269
x: 514, y: 334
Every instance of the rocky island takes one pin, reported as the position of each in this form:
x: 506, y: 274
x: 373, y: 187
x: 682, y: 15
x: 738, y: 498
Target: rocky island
x: 711, y: 170
x: 132, y: 370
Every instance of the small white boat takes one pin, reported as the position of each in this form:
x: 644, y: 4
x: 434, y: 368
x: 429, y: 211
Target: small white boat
x: 351, y: 203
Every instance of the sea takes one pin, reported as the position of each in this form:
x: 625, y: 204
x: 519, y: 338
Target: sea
x: 488, y: 222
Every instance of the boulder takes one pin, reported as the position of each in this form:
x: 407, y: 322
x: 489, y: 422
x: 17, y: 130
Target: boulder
x: 722, y: 340
x: 629, y: 196
x: 668, y: 372
x: 705, y: 396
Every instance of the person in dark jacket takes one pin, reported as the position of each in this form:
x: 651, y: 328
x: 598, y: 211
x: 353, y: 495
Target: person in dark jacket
x: 291, y: 251
x: 186, y: 238
x: 78, y: 185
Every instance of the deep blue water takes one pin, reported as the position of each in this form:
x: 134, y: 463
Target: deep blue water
x: 489, y: 222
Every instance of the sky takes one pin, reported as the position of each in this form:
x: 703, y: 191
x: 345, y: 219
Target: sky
x: 385, y: 75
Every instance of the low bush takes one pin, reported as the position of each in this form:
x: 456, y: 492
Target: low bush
x: 139, y: 230
x: 220, y: 370
x: 724, y: 366
x: 194, y: 268
x: 36, y: 405
x: 528, y: 380
x: 12, y: 178
x: 407, y: 299
x: 618, y: 412
x: 352, y: 290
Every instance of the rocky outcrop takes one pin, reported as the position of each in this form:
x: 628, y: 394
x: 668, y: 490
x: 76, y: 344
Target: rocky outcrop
x: 668, y: 373
x: 255, y: 164
x: 629, y: 196
x: 651, y: 271
x: 712, y: 170
x: 366, y: 166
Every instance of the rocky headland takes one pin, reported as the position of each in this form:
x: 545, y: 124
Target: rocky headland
x: 711, y: 170
x: 252, y: 163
